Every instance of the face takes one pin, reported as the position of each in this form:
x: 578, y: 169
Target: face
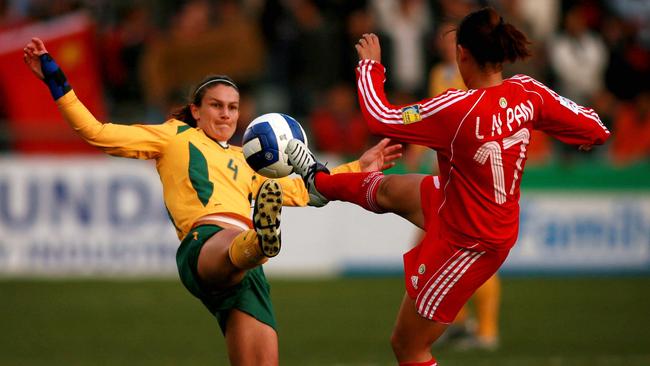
x: 218, y: 113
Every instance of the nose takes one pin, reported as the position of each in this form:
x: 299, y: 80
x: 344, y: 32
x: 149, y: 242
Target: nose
x: 225, y: 113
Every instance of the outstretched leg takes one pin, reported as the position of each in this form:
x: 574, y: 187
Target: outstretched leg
x: 227, y: 255
x: 374, y: 191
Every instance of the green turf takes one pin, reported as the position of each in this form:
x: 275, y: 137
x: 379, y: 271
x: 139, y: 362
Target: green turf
x: 554, y: 322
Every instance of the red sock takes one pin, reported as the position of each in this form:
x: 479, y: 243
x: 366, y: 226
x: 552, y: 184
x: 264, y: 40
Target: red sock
x: 431, y: 362
x: 357, y: 188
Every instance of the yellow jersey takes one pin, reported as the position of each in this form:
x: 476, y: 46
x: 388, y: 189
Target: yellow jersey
x: 444, y: 76
x: 199, y: 176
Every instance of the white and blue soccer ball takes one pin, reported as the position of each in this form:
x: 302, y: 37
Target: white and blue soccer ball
x: 265, y: 140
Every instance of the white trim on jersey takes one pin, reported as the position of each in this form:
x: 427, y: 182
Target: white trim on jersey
x: 526, y: 90
x: 369, y: 101
x: 589, y: 113
x: 451, y: 147
x: 382, y: 113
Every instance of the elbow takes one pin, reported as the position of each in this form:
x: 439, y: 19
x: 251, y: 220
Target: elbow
x: 374, y: 126
x: 602, y: 137
x: 89, y: 134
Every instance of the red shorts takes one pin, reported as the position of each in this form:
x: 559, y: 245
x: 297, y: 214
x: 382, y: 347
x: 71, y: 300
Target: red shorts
x: 441, y: 276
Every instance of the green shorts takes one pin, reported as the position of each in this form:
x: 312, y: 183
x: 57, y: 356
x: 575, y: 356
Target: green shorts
x: 252, y: 295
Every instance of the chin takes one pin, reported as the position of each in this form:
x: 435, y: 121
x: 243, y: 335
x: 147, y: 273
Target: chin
x: 221, y: 135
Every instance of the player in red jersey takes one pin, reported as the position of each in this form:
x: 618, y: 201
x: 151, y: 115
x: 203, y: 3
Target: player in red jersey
x: 471, y: 211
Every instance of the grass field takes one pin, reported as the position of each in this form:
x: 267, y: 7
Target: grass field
x: 554, y: 322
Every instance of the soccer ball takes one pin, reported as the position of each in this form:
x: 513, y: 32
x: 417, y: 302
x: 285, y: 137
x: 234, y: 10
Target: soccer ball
x: 265, y: 140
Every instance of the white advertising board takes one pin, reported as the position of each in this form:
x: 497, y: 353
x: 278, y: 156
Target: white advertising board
x: 105, y: 216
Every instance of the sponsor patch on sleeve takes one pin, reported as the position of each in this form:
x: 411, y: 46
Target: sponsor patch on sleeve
x: 569, y: 104
x: 411, y: 114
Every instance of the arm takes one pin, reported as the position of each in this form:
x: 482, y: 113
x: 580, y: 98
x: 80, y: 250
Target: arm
x: 136, y: 141
x: 565, y: 120
x: 421, y: 123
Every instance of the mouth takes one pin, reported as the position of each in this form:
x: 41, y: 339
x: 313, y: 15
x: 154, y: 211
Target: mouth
x: 222, y: 124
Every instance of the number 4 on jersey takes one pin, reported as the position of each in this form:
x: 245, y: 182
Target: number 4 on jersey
x: 492, y: 150
x: 235, y: 169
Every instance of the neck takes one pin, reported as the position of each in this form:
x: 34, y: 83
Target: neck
x: 485, y: 79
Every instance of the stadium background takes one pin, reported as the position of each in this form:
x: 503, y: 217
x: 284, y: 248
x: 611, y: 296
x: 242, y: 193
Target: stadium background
x: 86, y: 252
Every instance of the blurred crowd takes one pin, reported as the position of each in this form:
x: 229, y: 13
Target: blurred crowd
x: 298, y: 57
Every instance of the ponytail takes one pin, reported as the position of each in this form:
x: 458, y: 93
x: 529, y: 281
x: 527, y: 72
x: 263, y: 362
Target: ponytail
x: 513, y: 42
x: 184, y: 114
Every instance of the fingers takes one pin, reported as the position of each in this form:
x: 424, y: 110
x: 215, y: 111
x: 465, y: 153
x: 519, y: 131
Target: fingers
x: 368, y: 39
x: 368, y: 47
x: 363, y: 42
x: 383, y: 143
x: 30, y: 50
x: 35, y: 47
x: 40, y: 46
x: 392, y: 157
x: 392, y: 148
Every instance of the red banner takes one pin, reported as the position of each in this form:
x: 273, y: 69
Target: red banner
x: 34, y: 121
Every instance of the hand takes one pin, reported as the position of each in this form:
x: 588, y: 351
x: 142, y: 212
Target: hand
x: 31, y: 53
x: 368, y: 47
x: 380, y: 156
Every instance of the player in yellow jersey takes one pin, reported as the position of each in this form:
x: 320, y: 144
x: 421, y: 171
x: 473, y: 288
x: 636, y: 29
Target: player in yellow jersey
x: 207, y: 188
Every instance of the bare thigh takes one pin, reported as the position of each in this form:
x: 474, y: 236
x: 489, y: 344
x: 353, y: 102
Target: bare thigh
x: 250, y: 342
x: 214, y: 267
x: 400, y: 194
x: 413, y: 335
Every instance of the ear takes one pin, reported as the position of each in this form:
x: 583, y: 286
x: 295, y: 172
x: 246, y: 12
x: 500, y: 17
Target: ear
x: 461, y: 53
x: 195, y: 111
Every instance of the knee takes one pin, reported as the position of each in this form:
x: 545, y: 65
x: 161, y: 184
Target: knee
x: 407, y: 346
x: 402, y: 348
x: 396, y: 344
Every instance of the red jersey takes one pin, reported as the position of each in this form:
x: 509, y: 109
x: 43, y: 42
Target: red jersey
x: 480, y: 136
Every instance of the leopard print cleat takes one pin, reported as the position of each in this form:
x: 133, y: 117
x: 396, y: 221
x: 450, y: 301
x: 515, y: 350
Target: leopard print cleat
x: 266, y: 217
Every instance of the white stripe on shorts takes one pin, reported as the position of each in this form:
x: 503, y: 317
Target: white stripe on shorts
x: 444, y: 282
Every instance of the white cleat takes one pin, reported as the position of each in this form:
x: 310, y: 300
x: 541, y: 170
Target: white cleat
x: 305, y: 164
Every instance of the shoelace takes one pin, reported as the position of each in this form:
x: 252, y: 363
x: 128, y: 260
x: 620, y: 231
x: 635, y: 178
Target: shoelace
x: 311, y: 172
x: 303, y: 159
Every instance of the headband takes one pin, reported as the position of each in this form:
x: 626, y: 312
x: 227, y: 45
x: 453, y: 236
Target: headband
x: 217, y: 80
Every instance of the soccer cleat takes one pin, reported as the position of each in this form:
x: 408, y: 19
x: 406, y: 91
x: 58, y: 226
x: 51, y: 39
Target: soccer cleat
x: 305, y: 164
x: 266, y: 217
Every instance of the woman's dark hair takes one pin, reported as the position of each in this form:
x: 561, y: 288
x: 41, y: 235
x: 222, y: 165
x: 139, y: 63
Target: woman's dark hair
x: 185, y: 113
x: 490, y: 40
